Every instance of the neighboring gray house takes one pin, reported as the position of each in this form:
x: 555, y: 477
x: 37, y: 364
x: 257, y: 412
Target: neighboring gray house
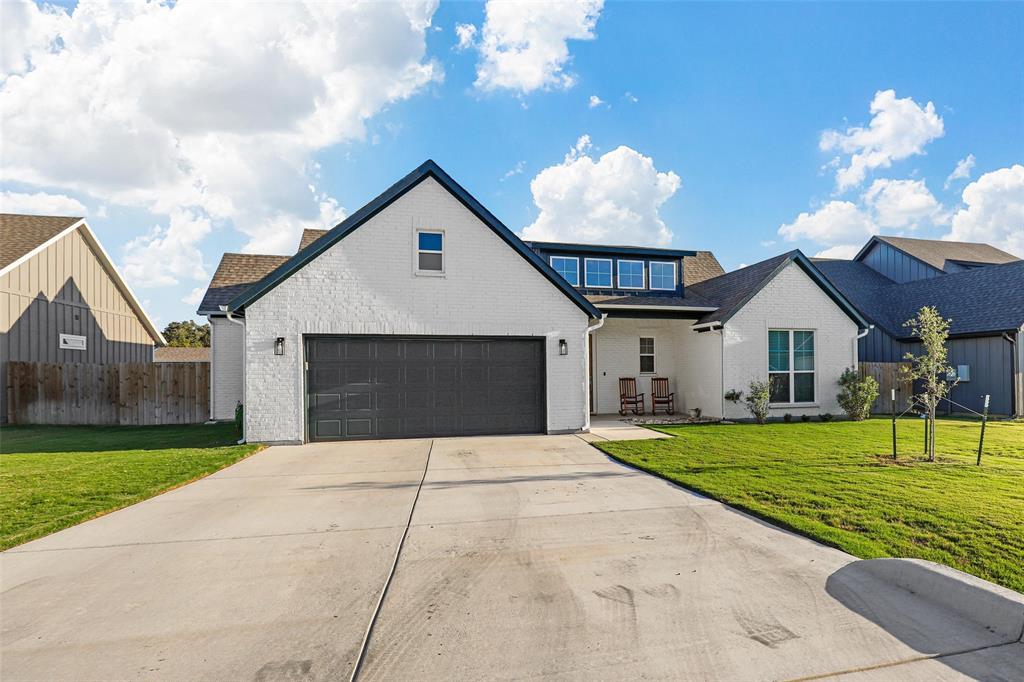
x: 978, y: 286
x: 423, y: 315
x: 62, y: 299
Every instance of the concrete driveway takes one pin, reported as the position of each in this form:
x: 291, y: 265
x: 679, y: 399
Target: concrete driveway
x: 527, y: 557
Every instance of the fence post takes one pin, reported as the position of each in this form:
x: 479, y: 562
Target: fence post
x: 984, y: 418
x: 893, y: 401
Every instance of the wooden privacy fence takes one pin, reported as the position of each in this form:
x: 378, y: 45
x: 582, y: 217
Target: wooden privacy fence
x: 887, y: 376
x: 128, y: 393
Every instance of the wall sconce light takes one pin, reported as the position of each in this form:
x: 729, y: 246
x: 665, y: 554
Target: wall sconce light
x: 563, y: 347
x: 279, y: 346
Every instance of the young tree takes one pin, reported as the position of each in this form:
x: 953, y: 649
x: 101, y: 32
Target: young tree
x: 931, y: 367
x: 187, y: 334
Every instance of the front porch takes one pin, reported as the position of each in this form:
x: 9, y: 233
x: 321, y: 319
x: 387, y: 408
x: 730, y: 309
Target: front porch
x: 647, y: 347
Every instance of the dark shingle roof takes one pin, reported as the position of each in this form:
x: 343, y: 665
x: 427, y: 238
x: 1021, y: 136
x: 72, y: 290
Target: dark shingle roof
x: 309, y: 236
x: 978, y: 301
x: 236, y: 273
x: 701, y: 267
x: 180, y: 354
x: 936, y: 252
x: 20, y: 234
x: 732, y: 289
x: 689, y: 300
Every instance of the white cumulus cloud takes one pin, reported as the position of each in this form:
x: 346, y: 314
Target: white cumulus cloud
x: 962, y: 171
x: 993, y: 211
x: 902, y: 204
x: 613, y: 199
x: 202, y: 113
x: 41, y: 203
x: 194, y: 297
x: 840, y: 251
x: 836, y: 222
x: 595, y: 101
x: 466, y: 34
x: 899, y: 128
x: 165, y: 255
x: 524, y: 45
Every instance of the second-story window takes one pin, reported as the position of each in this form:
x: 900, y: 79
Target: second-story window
x: 663, y: 276
x: 599, y: 273
x: 631, y: 274
x: 568, y: 268
x: 429, y: 251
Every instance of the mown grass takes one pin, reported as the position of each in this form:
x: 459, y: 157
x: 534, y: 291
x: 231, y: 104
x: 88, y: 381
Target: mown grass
x: 52, y: 477
x: 837, y: 483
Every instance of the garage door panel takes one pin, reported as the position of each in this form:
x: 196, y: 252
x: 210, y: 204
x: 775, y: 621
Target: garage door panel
x: 392, y: 387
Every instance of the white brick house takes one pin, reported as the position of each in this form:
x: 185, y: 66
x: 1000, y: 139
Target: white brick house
x: 422, y: 315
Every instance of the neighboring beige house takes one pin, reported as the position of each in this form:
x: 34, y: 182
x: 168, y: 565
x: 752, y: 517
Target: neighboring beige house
x: 62, y: 299
x: 181, y: 354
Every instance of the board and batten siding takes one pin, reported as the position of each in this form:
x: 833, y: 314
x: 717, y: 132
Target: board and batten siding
x: 990, y: 359
x: 64, y: 289
x: 896, y: 265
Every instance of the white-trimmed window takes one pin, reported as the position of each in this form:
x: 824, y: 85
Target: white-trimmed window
x: 631, y: 274
x: 568, y: 267
x: 647, y: 355
x: 598, y: 273
x: 429, y: 251
x: 663, y: 276
x: 791, y: 366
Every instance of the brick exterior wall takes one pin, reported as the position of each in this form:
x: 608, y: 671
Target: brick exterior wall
x: 365, y: 284
x: 790, y: 301
x: 227, y: 341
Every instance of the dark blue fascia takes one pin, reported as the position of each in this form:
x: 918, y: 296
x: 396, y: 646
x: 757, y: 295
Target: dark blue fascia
x: 426, y: 170
x: 615, y: 254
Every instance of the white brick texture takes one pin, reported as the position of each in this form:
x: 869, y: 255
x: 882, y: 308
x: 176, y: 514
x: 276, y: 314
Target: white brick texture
x: 227, y: 341
x: 365, y: 284
x: 790, y: 301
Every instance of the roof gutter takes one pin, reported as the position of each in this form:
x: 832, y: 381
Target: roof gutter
x: 679, y: 308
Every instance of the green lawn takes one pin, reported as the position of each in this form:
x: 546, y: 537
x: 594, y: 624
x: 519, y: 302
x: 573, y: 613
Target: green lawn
x: 52, y: 477
x: 836, y: 482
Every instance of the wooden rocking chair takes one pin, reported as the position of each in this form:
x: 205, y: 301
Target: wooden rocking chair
x: 629, y: 399
x: 660, y: 395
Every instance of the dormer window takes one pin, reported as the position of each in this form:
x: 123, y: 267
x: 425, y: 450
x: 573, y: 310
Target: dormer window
x: 568, y: 268
x: 598, y: 273
x: 663, y: 276
x: 631, y: 274
x: 429, y: 252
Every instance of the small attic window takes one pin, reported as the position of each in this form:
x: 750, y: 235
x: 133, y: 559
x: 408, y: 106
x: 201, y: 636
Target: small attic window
x: 429, y: 251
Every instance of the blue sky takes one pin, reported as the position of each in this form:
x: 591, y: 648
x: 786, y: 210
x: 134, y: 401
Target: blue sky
x: 733, y: 99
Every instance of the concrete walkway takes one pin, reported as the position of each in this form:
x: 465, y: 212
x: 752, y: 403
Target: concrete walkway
x: 527, y: 557
x: 614, y: 427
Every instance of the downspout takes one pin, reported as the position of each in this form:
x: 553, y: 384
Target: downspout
x: 1013, y: 374
x: 861, y: 335
x: 587, y: 361
x: 245, y: 387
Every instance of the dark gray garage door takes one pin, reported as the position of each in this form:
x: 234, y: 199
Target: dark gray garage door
x: 408, y: 387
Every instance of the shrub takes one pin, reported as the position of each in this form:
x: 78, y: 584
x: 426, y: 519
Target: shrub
x: 788, y: 418
x: 757, y: 400
x: 857, y: 394
x: 827, y: 417
x: 805, y: 417
x: 239, y: 417
x: 733, y: 396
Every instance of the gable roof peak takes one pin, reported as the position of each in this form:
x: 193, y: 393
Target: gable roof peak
x: 427, y: 169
